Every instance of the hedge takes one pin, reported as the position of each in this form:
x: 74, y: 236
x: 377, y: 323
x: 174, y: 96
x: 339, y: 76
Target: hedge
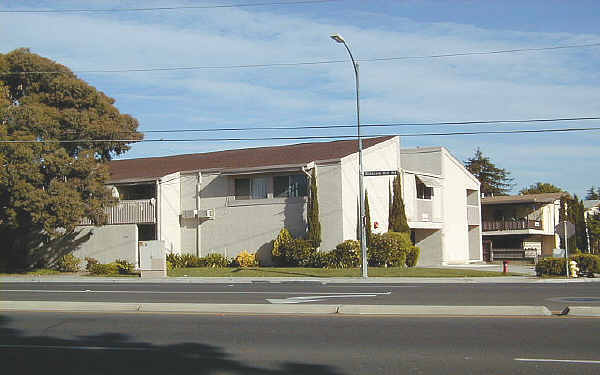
x: 587, y: 264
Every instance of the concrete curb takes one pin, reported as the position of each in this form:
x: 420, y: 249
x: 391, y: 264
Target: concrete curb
x: 581, y: 311
x: 445, y: 310
x: 319, y: 280
x: 295, y: 309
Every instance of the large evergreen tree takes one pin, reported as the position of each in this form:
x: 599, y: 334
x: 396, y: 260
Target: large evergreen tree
x: 494, y: 180
x: 540, y: 188
x: 593, y: 194
x: 312, y: 214
x: 397, y: 221
x: 48, y: 185
x: 368, y: 230
x: 593, y: 225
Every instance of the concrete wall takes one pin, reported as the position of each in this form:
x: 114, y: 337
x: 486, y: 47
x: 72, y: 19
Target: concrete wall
x: 169, y: 209
x: 189, y: 227
x: 430, y: 243
x: 331, y: 214
x: 475, y: 244
x: 383, y: 156
x: 110, y: 242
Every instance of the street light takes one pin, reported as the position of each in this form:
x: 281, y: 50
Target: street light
x: 361, y: 203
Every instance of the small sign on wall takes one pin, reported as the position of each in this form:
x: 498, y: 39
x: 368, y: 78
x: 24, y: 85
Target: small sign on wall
x: 532, y: 246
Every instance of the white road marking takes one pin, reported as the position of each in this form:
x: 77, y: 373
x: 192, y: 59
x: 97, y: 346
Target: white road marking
x: 175, y: 292
x: 322, y: 297
x: 557, y: 360
x: 122, y: 348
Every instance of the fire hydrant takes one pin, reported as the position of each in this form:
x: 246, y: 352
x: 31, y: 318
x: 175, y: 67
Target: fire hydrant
x: 504, y: 266
x: 573, y: 269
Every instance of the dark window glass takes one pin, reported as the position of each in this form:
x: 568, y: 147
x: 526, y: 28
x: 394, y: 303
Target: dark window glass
x: 242, y: 188
x: 424, y: 192
x: 290, y: 186
x: 281, y: 185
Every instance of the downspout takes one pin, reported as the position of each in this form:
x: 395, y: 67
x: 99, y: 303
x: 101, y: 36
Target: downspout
x: 198, y: 232
x: 159, y: 209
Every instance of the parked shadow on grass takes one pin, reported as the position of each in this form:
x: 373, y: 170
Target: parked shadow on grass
x: 111, y: 353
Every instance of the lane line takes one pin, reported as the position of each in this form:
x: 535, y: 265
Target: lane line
x: 558, y: 360
x: 175, y: 292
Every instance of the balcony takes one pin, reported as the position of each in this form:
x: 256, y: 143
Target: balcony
x: 491, y: 226
x: 473, y: 215
x: 141, y: 211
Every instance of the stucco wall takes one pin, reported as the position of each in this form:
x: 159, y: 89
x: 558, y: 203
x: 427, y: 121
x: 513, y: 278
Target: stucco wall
x: 429, y: 242
x: 110, y: 242
x: 329, y: 186
x: 189, y: 226
x: 245, y: 225
x: 383, y: 156
x: 169, y: 198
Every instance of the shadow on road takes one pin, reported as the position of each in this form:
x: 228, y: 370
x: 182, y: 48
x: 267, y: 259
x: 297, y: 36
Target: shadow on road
x: 111, y: 353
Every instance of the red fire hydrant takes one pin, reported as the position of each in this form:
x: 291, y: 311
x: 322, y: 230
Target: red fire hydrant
x: 504, y: 266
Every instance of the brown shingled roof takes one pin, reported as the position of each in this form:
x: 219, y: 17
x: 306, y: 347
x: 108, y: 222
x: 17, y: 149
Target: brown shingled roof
x: 529, y: 198
x: 147, y: 168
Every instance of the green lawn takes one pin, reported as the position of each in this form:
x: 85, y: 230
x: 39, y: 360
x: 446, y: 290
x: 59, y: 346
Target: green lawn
x: 325, y: 272
x: 39, y: 272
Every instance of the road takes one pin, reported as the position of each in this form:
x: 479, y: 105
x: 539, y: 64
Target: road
x: 83, y: 343
x: 553, y: 296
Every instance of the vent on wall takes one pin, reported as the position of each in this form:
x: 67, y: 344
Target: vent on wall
x: 209, y: 213
x: 189, y: 214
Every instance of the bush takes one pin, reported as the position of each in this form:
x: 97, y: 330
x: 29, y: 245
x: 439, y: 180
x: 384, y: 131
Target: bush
x: 587, y: 263
x: 320, y: 259
x: 298, y: 252
x: 387, y: 250
x: 104, y: 269
x: 283, y: 240
x: 124, y: 267
x: 68, y: 263
x: 246, y: 259
x: 90, y: 261
x: 345, y: 255
x: 169, y: 266
x: 412, y: 256
x: 216, y: 260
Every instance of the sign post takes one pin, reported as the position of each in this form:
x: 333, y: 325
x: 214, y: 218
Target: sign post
x: 566, y: 229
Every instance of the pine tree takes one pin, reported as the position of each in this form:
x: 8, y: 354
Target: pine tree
x: 593, y: 225
x: 580, y: 226
x: 540, y: 188
x: 494, y: 180
x: 312, y: 215
x: 397, y: 221
x: 592, y: 194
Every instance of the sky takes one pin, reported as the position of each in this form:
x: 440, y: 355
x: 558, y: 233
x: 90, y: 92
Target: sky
x: 556, y: 83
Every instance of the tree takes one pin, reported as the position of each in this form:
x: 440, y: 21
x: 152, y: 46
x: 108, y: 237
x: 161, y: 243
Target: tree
x: 47, y: 186
x: 592, y: 194
x: 539, y: 188
x: 573, y: 211
x: 368, y: 231
x: 397, y: 221
x: 494, y: 180
x: 593, y: 225
x: 312, y: 214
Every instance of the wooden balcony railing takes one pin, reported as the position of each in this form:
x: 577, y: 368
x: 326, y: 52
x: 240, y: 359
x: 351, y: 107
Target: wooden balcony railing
x: 489, y: 226
x: 141, y: 211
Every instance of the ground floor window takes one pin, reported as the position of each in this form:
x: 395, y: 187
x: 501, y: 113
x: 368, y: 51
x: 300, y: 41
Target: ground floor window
x: 146, y: 232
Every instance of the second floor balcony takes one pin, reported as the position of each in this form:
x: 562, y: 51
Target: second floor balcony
x: 139, y: 211
x: 511, y: 225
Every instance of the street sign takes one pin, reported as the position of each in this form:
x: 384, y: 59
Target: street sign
x: 380, y: 173
x: 560, y: 229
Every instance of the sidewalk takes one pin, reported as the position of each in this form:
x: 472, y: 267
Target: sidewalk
x: 319, y: 280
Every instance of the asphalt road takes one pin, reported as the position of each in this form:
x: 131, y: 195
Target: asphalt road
x: 553, y: 296
x: 82, y: 343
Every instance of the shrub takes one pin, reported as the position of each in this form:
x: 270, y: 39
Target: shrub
x: 124, y: 267
x: 169, y: 266
x: 551, y: 266
x: 412, y: 256
x: 175, y: 260
x: 320, y: 259
x: 587, y: 263
x: 346, y: 255
x: 90, y: 261
x: 297, y: 252
x: 283, y: 240
x: 387, y: 250
x: 246, y: 259
x: 216, y: 260
x: 104, y: 269
x: 68, y: 263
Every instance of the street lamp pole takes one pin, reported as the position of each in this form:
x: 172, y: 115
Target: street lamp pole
x: 361, y: 204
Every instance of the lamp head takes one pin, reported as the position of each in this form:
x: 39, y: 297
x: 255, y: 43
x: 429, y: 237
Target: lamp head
x: 338, y: 38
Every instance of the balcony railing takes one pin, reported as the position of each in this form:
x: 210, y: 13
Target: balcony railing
x: 489, y: 226
x: 142, y: 211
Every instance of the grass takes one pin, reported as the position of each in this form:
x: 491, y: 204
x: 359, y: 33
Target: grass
x: 39, y: 272
x: 326, y: 272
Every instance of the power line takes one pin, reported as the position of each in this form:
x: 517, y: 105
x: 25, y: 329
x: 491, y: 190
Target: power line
x: 274, y: 65
x: 167, y: 8
x: 522, y: 131
x: 444, y: 123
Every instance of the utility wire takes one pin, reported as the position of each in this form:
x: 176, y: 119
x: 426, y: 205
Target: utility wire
x: 167, y: 8
x: 215, y: 67
x: 522, y: 131
x: 444, y: 123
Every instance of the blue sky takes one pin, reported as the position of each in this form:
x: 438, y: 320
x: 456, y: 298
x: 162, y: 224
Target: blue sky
x: 543, y: 84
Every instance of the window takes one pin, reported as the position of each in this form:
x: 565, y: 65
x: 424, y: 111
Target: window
x: 295, y: 185
x: 251, y: 188
x: 423, y: 191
